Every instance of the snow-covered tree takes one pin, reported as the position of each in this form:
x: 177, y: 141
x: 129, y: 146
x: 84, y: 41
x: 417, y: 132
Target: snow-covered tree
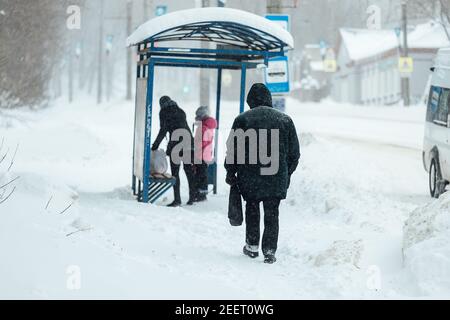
x: 31, y: 34
x: 438, y: 10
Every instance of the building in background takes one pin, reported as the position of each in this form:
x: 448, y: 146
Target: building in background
x: 314, y: 80
x: 368, y: 63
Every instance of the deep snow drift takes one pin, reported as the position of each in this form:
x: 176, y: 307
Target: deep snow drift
x: 72, y: 229
x: 426, y: 246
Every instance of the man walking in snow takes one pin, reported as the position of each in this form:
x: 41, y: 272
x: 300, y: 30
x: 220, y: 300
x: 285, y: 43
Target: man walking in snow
x: 264, y: 133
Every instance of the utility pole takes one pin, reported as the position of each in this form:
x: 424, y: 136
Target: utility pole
x: 274, y: 6
x: 148, y: 6
x: 70, y: 57
x: 81, y: 67
x: 129, y: 52
x: 145, y: 3
x: 100, y: 56
x: 405, y: 79
x: 204, y: 73
x: 109, y: 67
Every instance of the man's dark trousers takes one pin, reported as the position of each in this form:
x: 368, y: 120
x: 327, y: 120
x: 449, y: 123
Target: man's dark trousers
x: 188, y: 169
x: 271, y: 225
x: 201, y: 178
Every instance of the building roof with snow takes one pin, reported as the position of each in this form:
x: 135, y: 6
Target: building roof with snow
x: 443, y: 58
x: 220, y: 25
x: 364, y: 44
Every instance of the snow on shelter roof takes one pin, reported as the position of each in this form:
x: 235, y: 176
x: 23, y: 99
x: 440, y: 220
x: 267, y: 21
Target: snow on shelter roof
x: 220, y: 25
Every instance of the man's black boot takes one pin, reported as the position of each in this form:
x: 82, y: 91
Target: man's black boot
x: 251, y: 253
x: 175, y: 203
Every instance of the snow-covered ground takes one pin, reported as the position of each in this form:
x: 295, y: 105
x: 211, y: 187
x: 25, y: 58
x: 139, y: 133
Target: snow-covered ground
x: 426, y: 246
x: 72, y: 229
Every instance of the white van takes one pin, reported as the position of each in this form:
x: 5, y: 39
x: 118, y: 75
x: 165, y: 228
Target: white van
x: 436, y: 146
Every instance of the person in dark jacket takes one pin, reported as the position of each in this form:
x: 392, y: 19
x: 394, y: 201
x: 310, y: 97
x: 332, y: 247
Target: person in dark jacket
x: 254, y: 185
x: 171, y: 118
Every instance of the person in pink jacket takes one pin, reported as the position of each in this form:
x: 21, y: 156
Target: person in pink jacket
x: 203, y: 146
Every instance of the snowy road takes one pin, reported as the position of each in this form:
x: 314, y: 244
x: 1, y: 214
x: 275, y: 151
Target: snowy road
x: 360, y: 176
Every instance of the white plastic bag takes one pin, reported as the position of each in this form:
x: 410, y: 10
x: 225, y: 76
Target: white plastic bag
x: 158, y: 163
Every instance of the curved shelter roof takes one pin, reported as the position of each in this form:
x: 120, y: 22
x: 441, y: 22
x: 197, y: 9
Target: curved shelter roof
x: 220, y: 25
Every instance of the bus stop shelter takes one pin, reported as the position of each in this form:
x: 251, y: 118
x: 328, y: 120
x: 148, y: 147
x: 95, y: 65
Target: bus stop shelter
x: 239, y: 40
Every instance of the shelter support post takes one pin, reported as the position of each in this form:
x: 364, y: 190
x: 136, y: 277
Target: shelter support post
x: 216, y: 138
x: 148, y: 131
x: 133, y: 182
x: 138, y: 70
x: 243, y: 79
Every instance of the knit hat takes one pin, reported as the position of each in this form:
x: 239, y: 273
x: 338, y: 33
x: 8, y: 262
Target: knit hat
x: 202, y: 113
x: 165, y: 101
x: 259, y: 95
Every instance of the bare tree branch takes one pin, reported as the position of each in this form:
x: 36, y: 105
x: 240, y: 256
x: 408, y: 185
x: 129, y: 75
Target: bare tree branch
x: 67, y: 208
x: 14, y: 156
x: 81, y: 230
x: 8, y: 183
x: 427, y: 8
x: 4, y: 156
x: 1, y: 146
x: 7, y: 197
x: 48, y: 202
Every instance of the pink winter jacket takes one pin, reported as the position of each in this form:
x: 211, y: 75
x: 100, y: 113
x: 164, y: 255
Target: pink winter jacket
x: 204, y: 139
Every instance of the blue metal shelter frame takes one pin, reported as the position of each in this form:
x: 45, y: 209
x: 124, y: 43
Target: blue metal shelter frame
x: 239, y: 47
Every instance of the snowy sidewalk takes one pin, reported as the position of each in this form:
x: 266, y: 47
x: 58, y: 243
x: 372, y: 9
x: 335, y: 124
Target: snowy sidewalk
x: 360, y: 176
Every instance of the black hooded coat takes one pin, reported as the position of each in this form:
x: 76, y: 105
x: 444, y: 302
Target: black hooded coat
x: 252, y: 184
x: 171, y: 118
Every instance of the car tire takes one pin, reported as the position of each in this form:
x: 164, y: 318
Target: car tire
x: 435, y: 179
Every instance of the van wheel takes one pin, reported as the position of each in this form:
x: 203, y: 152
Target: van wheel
x: 435, y: 179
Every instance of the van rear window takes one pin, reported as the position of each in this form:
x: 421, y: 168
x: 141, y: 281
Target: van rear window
x: 438, y: 105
